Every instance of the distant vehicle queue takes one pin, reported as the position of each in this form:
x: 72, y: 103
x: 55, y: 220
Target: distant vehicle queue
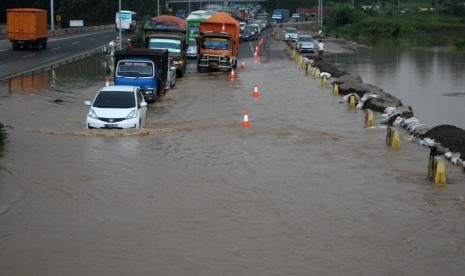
x: 142, y: 75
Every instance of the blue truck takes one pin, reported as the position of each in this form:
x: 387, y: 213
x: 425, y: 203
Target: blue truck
x: 145, y: 68
x: 280, y: 15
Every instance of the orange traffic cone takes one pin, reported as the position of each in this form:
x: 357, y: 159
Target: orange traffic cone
x: 243, y: 64
x: 233, y: 76
x: 245, y: 121
x: 255, y: 92
x: 255, y: 56
x: 107, y: 82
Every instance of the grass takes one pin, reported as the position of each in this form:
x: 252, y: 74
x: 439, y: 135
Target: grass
x: 418, y: 28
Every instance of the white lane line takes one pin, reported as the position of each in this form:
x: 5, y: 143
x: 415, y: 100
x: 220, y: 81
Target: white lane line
x: 76, y: 42
x: 56, y: 48
x: 92, y: 39
x: 29, y: 55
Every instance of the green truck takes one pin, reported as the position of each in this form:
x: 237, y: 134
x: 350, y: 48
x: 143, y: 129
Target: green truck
x: 193, y: 22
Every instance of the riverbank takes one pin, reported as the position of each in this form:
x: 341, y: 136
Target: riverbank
x: 448, y: 140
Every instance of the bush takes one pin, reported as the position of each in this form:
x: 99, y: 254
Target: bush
x: 460, y: 44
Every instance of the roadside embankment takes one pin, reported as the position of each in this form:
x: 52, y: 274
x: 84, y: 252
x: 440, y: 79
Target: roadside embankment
x: 447, y: 140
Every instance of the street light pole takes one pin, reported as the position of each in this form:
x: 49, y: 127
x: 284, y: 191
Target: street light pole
x: 52, y: 16
x: 119, y: 29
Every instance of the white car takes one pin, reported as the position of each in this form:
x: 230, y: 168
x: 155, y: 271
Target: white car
x: 171, y: 79
x: 305, y: 43
x: 290, y: 34
x: 192, y: 49
x: 116, y: 107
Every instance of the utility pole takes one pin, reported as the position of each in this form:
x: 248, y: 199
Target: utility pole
x: 52, y: 16
x: 119, y: 29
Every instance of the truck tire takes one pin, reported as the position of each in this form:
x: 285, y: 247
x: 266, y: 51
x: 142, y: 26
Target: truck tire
x: 44, y: 43
x: 180, y: 73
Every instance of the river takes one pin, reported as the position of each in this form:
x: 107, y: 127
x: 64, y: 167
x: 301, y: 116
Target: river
x: 428, y: 79
x: 305, y: 190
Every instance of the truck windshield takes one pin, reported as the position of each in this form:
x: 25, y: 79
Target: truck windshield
x: 134, y: 69
x: 194, y: 30
x: 172, y: 45
x: 215, y: 43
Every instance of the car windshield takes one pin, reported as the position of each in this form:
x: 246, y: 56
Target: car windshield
x: 292, y: 31
x: 192, y: 42
x: 216, y: 43
x: 251, y: 28
x: 305, y: 39
x: 114, y: 99
x: 244, y: 31
x: 172, y: 45
x: 134, y: 69
x: 194, y: 30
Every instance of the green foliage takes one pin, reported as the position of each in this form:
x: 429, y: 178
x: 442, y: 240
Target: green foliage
x: 460, y: 44
x: 415, y: 28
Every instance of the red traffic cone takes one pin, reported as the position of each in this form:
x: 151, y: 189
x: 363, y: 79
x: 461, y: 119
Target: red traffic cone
x: 255, y: 56
x: 107, y: 82
x: 243, y: 64
x: 255, y: 92
x: 233, y: 76
x: 245, y: 121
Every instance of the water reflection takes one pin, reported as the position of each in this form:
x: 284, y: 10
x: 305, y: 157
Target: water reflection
x: 420, y: 77
x: 63, y: 79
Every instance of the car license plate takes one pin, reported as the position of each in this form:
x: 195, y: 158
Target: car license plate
x: 111, y: 125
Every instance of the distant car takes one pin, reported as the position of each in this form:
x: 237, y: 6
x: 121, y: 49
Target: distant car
x: 242, y: 23
x: 259, y: 26
x: 296, y: 17
x: 171, y: 79
x: 254, y: 32
x: 305, y: 43
x: 192, y: 51
x: 117, y: 107
x: 290, y: 34
x: 262, y: 23
x: 245, y: 35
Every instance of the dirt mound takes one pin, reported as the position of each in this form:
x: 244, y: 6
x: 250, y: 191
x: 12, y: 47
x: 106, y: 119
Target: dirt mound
x: 448, y: 136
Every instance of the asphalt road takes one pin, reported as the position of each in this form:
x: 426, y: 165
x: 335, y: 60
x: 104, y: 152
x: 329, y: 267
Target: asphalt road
x: 16, y: 61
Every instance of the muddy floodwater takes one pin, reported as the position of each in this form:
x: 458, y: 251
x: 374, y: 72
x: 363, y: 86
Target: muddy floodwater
x: 305, y: 190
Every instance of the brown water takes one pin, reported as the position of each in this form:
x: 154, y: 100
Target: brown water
x: 428, y: 79
x: 306, y: 190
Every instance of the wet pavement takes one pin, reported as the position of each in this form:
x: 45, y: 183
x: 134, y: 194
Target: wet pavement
x: 305, y: 190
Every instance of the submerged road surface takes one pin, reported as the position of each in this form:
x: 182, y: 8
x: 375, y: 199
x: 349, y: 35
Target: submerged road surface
x: 305, y: 190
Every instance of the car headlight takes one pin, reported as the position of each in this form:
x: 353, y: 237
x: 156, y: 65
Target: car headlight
x: 92, y: 114
x: 133, y: 114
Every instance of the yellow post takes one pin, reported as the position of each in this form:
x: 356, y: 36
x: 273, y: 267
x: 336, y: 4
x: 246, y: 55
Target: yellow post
x: 324, y: 81
x: 309, y: 68
x: 352, y: 101
x: 439, y: 171
x: 335, y: 89
x: 369, y: 118
x: 395, y: 139
x: 317, y: 73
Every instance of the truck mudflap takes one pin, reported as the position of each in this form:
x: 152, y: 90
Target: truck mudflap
x: 221, y: 62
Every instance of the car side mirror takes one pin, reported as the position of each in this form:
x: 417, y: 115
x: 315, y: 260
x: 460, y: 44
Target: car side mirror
x: 143, y: 104
x: 87, y: 103
x: 173, y: 68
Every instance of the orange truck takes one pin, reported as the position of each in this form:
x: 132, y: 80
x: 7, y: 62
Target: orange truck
x: 27, y: 27
x: 218, y: 43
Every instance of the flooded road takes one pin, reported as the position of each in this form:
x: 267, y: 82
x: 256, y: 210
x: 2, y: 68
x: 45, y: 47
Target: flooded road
x: 305, y: 190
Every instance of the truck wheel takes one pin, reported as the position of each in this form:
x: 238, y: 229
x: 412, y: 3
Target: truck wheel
x: 202, y: 69
x: 44, y: 44
x: 180, y: 73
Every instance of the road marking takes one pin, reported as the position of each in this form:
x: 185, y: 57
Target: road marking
x: 92, y: 39
x: 75, y: 42
x: 56, y: 48
x: 29, y: 55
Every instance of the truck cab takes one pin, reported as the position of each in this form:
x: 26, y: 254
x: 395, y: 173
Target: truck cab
x: 146, y: 69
